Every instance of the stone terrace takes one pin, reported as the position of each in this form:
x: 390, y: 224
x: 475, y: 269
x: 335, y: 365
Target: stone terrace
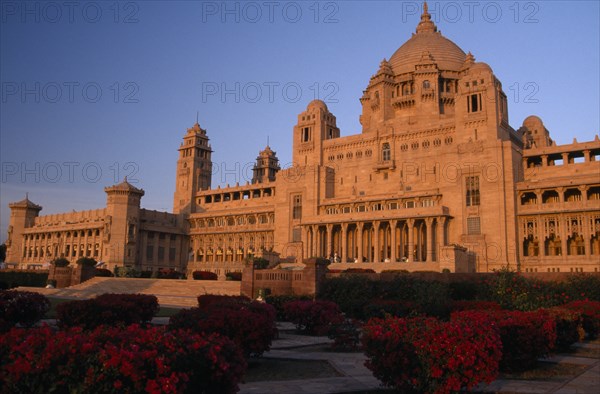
x: 171, y: 292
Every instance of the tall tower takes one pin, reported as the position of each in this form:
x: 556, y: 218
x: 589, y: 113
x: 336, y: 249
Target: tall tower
x: 194, y: 169
x: 122, y: 223
x: 267, y: 165
x: 22, y: 216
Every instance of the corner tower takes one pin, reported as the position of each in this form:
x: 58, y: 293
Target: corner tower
x: 22, y: 216
x: 194, y: 169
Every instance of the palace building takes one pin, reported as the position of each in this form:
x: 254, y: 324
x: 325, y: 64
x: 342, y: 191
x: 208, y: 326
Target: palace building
x: 437, y: 180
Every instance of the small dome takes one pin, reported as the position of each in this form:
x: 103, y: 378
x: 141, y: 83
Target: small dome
x: 480, y: 66
x: 316, y: 104
x: 446, y: 54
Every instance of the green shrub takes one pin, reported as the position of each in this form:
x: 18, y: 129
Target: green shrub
x: 86, y: 261
x: 60, y: 262
x: 127, y: 272
x: 12, y: 279
x: 350, y: 292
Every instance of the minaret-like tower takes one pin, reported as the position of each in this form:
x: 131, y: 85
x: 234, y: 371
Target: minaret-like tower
x: 194, y: 169
x: 267, y: 165
x: 22, y: 216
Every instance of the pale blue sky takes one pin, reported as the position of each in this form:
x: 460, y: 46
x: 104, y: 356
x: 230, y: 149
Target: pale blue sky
x: 103, y: 89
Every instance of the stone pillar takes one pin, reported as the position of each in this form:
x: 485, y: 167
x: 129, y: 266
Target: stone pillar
x: 411, y: 243
x: 429, y: 240
x: 359, y: 229
x: 344, y: 235
x: 544, y: 160
x: 393, y: 224
x: 329, y: 241
x: 376, y: 256
x: 563, y: 236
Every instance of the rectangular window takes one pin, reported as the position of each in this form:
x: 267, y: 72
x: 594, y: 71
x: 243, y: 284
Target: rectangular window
x: 474, y: 103
x: 297, y: 206
x: 305, y: 134
x: 296, y: 234
x: 171, y: 254
x: 150, y: 252
x: 161, y: 254
x: 473, y: 226
x: 472, y: 188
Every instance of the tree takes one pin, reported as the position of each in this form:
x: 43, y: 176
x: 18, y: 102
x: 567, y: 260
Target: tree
x: 2, y: 252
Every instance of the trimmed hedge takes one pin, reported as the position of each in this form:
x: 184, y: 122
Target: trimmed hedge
x: 204, y: 275
x: 10, y: 279
x: 117, y: 360
x: 112, y: 309
x: 21, y: 307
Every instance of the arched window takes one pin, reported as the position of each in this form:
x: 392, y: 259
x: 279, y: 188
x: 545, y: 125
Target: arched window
x: 426, y: 84
x: 386, y: 153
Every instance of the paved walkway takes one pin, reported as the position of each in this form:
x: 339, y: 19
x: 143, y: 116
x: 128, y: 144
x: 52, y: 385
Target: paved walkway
x: 356, y: 377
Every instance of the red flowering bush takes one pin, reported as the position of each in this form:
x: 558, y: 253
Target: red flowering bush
x: 279, y: 300
x: 590, y: 313
x: 21, y: 307
x: 381, y: 308
x: 204, y: 275
x: 122, y: 309
x: 345, y: 335
x: 428, y: 355
x: 569, y: 326
x: 474, y: 306
x: 116, y: 360
x: 206, y: 300
x: 250, y: 324
x: 313, y: 317
x: 235, y: 276
x: 526, y: 336
x: 169, y: 274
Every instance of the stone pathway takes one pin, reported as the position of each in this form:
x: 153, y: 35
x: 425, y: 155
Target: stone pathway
x: 356, y: 377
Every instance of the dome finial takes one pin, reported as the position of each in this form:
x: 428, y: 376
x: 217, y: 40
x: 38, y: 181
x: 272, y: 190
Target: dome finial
x: 426, y: 25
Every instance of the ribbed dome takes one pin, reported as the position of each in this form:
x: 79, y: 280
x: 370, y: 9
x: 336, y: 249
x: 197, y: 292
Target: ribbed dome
x: 444, y: 52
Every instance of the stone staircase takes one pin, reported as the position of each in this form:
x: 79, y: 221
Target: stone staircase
x: 170, y: 292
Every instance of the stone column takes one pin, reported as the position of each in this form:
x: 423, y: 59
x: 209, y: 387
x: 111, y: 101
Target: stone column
x: 411, y: 243
x: 376, y: 257
x: 393, y: 224
x: 429, y: 240
x: 329, y: 241
x: 359, y: 242
x: 563, y: 236
x: 344, y: 235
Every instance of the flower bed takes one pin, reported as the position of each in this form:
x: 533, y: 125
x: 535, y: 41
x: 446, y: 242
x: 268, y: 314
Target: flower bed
x: 525, y: 336
x: 115, y: 309
x: 116, y: 360
x: 427, y: 355
x: 21, y: 307
x: 250, y: 324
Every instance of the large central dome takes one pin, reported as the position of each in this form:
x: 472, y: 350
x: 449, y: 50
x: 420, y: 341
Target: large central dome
x: 445, y: 53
